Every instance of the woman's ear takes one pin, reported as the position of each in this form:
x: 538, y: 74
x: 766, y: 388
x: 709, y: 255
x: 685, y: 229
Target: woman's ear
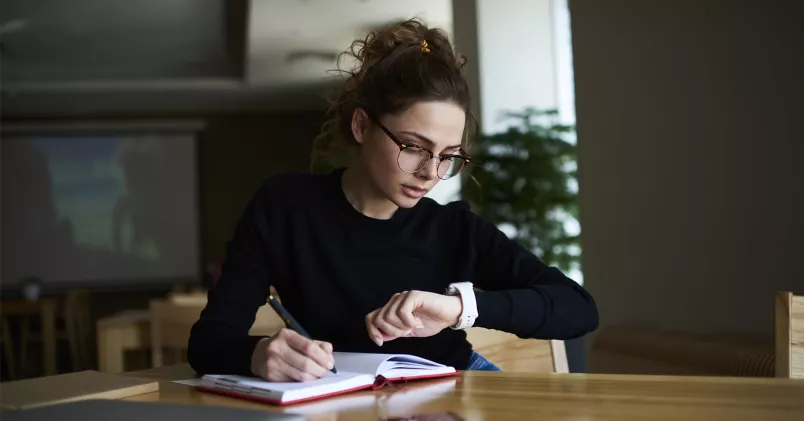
x: 360, y: 124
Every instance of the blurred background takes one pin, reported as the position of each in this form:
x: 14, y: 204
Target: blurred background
x: 651, y: 150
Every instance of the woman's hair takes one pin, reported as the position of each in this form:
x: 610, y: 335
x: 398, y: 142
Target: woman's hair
x: 395, y: 67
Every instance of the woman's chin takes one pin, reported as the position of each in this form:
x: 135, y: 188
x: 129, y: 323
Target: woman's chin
x: 404, y: 201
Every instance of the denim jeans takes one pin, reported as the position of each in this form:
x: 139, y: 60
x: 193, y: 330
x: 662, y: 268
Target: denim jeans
x: 479, y: 363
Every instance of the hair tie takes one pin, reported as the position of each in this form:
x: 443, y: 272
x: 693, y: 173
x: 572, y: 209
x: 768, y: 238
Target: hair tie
x: 425, y: 48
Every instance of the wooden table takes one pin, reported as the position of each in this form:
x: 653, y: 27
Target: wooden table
x: 45, y: 308
x: 478, y: 396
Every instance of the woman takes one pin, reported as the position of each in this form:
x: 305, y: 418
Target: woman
x: 360, y: 258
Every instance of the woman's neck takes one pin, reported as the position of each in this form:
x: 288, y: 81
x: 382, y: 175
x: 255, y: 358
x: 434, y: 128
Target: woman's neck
x: 364, y: 196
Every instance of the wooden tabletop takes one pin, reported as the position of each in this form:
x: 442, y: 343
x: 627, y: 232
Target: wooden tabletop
x: 477, y: 396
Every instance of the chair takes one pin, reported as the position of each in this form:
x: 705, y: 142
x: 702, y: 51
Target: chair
x: 789, y: 335
x: 78, y: 327
x: 173, y: 318
x: 170, y: 328
x: 74, y: 326
x: 128, y: 330
x: 187, y: 297
x: 514, y: 354
x: 8, y: 349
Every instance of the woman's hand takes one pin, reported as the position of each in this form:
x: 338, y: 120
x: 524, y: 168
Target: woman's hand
x: 413, y: 314
x: 289, y: 356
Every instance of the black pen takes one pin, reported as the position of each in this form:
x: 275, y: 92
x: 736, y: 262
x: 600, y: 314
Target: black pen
x: 290, y: 322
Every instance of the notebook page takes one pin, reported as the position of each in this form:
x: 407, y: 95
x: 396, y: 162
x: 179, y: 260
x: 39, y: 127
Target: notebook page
x: 409, y: 361
x: 412, y: 359
x: 412, y: 366
x: 375, y: 364
x: 287, y: 391
x: 396, y: 372
x: 357, y: 362
x: 256, y: 383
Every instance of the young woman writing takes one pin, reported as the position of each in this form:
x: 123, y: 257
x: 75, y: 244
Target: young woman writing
x: 361, y: 258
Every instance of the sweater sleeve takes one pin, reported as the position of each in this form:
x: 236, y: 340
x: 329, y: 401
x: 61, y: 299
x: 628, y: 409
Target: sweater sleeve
x: 521, y: 294
x: 219, y: 341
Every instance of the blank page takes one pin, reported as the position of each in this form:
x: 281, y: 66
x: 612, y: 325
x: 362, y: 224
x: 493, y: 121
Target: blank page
x: 330, y: 380
x: 291, y: 391
x: 356, y: 362
x: 376, y: 364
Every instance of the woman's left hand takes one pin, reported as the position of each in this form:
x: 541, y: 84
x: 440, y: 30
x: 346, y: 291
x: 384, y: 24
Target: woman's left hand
x: 413, y: 314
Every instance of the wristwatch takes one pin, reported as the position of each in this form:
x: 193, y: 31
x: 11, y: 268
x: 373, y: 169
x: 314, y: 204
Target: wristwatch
x: 469, y: 312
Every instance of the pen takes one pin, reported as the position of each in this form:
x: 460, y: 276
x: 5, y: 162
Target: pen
x: 290, y: 322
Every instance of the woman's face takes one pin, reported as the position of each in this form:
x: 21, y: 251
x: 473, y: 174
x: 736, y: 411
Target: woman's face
x: 435, y: 126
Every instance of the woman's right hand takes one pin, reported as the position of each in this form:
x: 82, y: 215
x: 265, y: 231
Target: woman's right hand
x: 289, y: 356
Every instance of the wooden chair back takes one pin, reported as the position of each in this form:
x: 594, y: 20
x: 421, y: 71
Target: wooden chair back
x: 187, y: 297
x: 9, y: 350
x: 73, y: 324
x: 789, y: 335
x: 172, y: 319
x: 78, y: 327
x: 517, y: 355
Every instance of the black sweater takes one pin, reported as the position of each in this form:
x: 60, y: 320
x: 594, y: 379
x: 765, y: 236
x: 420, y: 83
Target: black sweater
x: 332, y: 265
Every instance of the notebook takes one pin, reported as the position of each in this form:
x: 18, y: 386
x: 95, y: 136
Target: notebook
x: 356, y: 371
x: 412, y: 398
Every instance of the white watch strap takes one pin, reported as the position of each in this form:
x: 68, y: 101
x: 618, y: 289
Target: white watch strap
x: 467, y: 294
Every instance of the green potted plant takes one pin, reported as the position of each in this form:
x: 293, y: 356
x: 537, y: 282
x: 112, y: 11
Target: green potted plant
x: 524, y: 181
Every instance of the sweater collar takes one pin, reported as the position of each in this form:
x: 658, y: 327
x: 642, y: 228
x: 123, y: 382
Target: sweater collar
x: 352, y: 213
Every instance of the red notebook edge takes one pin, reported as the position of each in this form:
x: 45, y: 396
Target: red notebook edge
x: 253, y: 398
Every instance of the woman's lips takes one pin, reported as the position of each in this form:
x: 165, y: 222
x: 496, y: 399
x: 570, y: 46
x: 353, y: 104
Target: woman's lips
x: 413, y: 191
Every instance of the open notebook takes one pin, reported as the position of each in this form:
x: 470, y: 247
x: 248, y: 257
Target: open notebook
x: 356, y: 371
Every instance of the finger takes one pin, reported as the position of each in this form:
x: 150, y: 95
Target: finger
x: 306, y: 355
x: 276, y: 371
x: 374, y: 332
x: 288, y: 360
x: 325, y: 345
x: 389, y: 313
x: 384, y: 309
x: 388, y: 330
x: 292, y: 373
x: 301, y: 367
x: 404, y: 311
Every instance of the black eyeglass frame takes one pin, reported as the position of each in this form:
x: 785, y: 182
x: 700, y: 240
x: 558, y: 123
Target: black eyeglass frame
x: 405, y: 145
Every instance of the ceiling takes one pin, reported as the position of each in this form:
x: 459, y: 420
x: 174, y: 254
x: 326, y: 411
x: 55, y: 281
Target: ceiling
x: 82, y: 57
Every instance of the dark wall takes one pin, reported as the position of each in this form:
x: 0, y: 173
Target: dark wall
x: 690, y: 166
x: 236, y: 153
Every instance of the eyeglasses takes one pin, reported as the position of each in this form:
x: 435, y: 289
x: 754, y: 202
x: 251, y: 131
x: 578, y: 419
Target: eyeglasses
x: 413, y: 158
